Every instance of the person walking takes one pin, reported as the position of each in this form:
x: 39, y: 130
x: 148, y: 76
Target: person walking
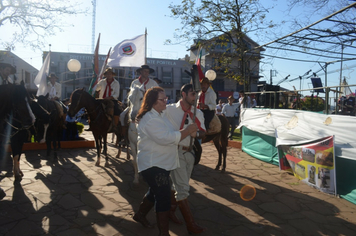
x: 181, y: 114
x: 157, y: 156
x: 229, y: 111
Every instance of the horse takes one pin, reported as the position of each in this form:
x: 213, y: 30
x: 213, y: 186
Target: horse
x: 99, y: 122
x: 49, y: 123
x: 16, y: 118
x: 135, y: 99
x: 220, y: 141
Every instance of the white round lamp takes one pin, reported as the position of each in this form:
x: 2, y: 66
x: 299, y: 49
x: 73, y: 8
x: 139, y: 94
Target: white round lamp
x: 210, y: 74
x: 74, y: 65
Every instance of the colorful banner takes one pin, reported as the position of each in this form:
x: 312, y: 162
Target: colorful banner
x: 312, y: 163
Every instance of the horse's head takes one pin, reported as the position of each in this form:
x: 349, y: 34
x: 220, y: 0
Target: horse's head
x: 21, y: 110
x: 76, y: 101
x: 135, y: 99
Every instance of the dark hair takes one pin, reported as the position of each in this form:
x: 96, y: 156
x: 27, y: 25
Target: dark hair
x: 242, y: 92
x: 186, y: 88
x: 150, y: 98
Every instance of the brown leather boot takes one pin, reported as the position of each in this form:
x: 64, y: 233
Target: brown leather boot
x: 192, y: 227
x: 163, y: 223
x: 174, y: 205
x: 140, y: 215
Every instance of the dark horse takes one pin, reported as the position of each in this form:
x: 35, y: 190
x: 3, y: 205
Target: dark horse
x: 16, y: 118
x: 220, y: 141
x: 49, y: 122
x: 99, y: 122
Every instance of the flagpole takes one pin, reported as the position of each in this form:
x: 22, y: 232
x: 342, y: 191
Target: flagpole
x: 145, y: 46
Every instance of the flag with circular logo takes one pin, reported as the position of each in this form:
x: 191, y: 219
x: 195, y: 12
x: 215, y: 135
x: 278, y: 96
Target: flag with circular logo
x: 129, y: 53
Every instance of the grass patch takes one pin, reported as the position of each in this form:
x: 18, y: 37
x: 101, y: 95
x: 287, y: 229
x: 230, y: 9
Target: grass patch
x: 237, y: 135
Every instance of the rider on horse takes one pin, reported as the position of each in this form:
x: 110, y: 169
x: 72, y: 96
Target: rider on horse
x: 143, y: 81
x: 207, y: 102
x: 54, y: 90
x: 5, y: 71
x: 109, y: 88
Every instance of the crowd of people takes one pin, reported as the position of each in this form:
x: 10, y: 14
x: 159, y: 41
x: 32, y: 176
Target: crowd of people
x: 166, y: 132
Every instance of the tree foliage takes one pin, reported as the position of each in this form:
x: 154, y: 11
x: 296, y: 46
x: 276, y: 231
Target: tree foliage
x: 33, y: 20
x: 312, y: 103
x: 218, y: 23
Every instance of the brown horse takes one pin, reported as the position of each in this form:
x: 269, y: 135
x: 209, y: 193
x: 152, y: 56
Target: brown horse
x: 99, y: 122
x: 220, y: 141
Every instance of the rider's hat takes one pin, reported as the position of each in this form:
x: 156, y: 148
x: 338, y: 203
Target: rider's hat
x: 4, y: 65
x: 145, y: 67
x: 109, y: 69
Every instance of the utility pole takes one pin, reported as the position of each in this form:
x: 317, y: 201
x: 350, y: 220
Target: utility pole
x: 272, y: 74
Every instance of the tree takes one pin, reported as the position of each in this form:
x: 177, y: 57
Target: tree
x: 32, y: 21
x: 218, y: 23
x: 312, y: 103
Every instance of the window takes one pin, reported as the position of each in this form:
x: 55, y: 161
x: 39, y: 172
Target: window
x: 167, y: 77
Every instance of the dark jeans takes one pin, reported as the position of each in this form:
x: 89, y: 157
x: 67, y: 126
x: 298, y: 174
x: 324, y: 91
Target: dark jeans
x: 116, y: 108
x: 232, y: 122
x: 159, y: 190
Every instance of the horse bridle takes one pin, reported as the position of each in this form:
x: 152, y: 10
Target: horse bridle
x: 18, y: 129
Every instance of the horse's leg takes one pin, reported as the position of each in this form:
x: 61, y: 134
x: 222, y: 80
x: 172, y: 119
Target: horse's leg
x: 43, y: 140
x: 16, y: 167
x: 133, y: 146
x: 48, y: 145
x: 223, y: 149
x: 217, y: 146
x: 98, y: 149
x: 106, y: 151
x: 54, y: 141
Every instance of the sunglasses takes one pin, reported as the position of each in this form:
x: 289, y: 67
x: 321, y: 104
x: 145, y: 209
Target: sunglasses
x: 186, y: 120
x: 163, y: 99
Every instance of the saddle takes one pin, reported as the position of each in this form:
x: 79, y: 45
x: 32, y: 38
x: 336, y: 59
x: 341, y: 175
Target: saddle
x: 214, y: 126
x: 59, y: 108
x: 108, y: 107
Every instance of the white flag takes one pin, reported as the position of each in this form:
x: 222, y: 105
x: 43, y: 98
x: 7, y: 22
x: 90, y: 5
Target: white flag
x: 130, y: 53
x: 41, y: 78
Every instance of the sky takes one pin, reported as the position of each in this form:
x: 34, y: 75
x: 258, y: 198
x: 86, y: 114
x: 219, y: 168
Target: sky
x: 117, y: 20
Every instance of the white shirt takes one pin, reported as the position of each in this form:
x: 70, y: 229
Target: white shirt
x: 157, y: 142
x: 210, y: 99
x: 248, y: 102
x: 174, y: 113
x: 151, y: 83
x: 230, y: 110
x: 54, y: 90
x: 219, y: 107
x: 115, y: 88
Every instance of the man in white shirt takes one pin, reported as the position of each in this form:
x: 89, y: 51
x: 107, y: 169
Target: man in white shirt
x: 245, y: 101
x: 219, y: 107
x: 54, y: 89
x: 181, y: 114
x: 207, y: 101
x: 109, y: 88
x: 5, y: 71
x: 229, y: 111
x: 143, y: 81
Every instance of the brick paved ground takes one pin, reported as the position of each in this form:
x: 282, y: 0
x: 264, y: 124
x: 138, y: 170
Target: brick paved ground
x: 73, y: 197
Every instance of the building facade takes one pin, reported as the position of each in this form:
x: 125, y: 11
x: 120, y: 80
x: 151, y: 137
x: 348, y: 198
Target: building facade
x: 24, y: 71
x: 170, y: 72
x: 224, y: 85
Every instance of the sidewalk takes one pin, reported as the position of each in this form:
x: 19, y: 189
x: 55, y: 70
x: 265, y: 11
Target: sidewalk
x: 73, y: 197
